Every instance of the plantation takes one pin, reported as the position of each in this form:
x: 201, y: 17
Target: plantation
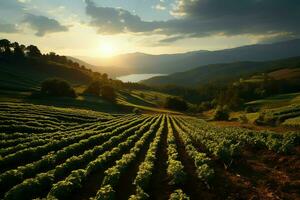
x: 57, y: 153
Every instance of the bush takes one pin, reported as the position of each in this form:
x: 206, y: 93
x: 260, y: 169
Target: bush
x: 94, y: 88
x: 136, y: 111
x: 178, y: 195
x: 108, y: 93
x: 176, y: 104
x: 243, y: 119
x: 221, y: 113
x: 57, y: 87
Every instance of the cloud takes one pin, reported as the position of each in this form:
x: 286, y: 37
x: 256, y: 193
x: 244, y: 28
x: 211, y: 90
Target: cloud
x: 172, y: 39
x: 116, y: 20
x: 44, y: 25
x: 8, y: 28
x: 160, y: 7
x: 200, y: 18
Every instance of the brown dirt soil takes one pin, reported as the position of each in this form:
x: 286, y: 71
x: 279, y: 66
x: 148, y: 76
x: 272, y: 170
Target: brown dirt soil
x: 262, y: 174
x: 159, y: 188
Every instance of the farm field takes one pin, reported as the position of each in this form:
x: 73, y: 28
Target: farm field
x: 59, y: 153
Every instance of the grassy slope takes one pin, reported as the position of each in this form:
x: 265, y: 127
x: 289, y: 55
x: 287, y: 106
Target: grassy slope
x: 277, y: 101
x: 28, y: 75
x: 149, y: 101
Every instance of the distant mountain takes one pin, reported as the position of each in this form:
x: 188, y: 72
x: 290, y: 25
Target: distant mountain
x: 171, y: 63
x: 112, y: 71
x: 223, y: 72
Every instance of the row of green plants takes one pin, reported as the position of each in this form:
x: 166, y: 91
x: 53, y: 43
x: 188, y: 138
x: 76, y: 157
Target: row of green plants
x: 34, y: 153
x: 50, y: 111
x: 175, y: 168
x: 113, y: 174
x: 227, y: 143
x: 13, y: 139
x: 13, y: 145
x: 65, y: 188
x: 146, y: 168
x: 202, y: 162
x: 15, y: 176
x: 178, y: 195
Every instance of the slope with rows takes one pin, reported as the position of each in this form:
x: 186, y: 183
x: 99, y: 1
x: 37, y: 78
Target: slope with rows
x: 56, y: 153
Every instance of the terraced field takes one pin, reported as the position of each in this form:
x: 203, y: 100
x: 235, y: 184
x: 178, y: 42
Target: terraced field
x: 56, y: 153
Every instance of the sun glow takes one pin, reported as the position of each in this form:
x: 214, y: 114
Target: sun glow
x: 107, y: 50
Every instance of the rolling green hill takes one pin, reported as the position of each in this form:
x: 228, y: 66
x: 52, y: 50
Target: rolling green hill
x: 29, y: 74
x: 225, y: 72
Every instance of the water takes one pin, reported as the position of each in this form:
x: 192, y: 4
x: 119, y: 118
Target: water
x: 137, y: 77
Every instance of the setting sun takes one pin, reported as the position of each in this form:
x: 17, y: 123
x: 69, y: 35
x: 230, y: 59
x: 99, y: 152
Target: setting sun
x: 106, y: 50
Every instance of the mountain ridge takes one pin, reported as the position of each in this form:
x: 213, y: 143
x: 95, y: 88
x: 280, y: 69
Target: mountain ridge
x: 138, y: 62
x: 222, y: 72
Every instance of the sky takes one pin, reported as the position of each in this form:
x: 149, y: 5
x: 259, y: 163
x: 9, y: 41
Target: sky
x: 104, y: 28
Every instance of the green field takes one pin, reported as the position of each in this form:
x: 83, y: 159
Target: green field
x: 67, y: 153
x: 277, y: 101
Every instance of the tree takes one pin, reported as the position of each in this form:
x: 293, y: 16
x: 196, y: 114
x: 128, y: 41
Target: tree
x: 108, y: 93
x: 94, y: 88
x: 221, y: 113
x: 33, y: 51
x: 57, y: 87
x: 176, y: 104
x: 5, y: 47
x: 18, y: 50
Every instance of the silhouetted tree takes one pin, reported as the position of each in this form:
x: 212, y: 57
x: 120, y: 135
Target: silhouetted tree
x: 33, y: 51
x: 108, y: 93
x: 221, y: 113
x: 5, y: 47
x: 57, y: 87
x: 18, y: 50
x: 176, y: 104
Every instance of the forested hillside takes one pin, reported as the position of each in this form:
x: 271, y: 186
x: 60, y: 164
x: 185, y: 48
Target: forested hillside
x: 223, y: 72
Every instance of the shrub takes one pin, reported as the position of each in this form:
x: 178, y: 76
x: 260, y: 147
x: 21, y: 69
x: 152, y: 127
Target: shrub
x: 108, y: 93
x: 57, y: 87
x: 176, y: 104
x: 94, y: 88
x: 243, y: 119
x: 221, y: 113
x: 178, y: 195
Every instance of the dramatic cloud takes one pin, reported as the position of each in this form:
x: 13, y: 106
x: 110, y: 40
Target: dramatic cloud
x: 116, y: 20
x: 44, y: 25
x: 8, y: 28
x: 199, y: 18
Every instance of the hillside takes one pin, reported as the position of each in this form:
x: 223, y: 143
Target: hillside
x: 170, y: 63
x: 28, y: 74
x: 226, y: 71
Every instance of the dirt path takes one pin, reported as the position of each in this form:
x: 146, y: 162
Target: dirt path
x: 159, y: 188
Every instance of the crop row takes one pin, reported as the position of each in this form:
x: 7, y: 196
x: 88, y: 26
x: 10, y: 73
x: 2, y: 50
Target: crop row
x: 64, y: 188
x: 202, y: 162
x: 14, y: 145
x: 11, y: 177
